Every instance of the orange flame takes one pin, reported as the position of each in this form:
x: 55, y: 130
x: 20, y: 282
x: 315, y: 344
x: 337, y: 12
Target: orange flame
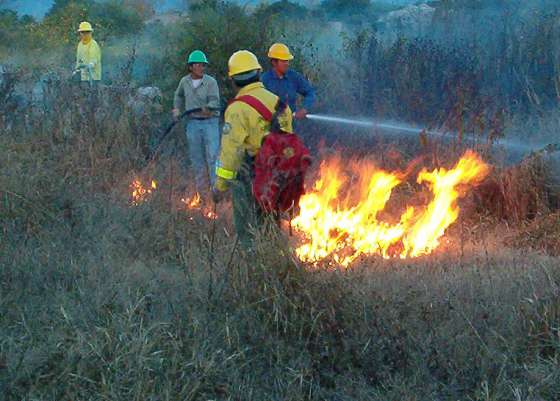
x: 196, y: 203
x: 345, y: 227
x: 192, y: 203
x: 141, y: 192
x: 443, y: 210
x: 211, y: 215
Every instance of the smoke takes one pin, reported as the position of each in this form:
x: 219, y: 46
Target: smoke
x: 463, y: 22
x: 490, y: 22
x: 328, y: 45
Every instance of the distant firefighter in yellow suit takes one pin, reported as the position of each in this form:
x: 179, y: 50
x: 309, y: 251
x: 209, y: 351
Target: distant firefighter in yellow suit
x: 88, y: 55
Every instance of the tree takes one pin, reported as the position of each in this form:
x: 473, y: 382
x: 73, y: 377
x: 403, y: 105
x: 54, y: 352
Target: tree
x: 59, y: 5
x: 281, y: 9
x: 14, y: 30
x: 109, y: 18
x: 144, y: 8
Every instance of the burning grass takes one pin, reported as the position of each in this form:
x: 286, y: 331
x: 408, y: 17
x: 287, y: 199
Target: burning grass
x: 102, y: 300
x: 141, y: 192
x: 339, y: 218
x: 195, y: 202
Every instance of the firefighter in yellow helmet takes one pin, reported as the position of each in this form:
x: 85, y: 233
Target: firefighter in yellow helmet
x: 88, y: 55
x: 287, y: 83
x: 243, y: 132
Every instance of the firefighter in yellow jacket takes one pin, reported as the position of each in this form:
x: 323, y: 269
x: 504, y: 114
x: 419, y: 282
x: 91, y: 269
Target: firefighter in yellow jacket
x: 243, y: 132
x: 88, y: 55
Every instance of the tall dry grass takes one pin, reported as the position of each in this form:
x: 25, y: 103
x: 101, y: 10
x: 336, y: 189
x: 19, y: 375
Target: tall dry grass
x: 104, y: 300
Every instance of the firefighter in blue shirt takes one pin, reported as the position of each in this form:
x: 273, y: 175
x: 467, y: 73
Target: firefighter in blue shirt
x: 286, y: 83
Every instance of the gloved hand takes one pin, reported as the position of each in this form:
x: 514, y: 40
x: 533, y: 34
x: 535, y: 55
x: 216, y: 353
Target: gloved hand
x: 76, y: 76
x: 217, y: 195
x: 176, y: 113
x: 300, y: 114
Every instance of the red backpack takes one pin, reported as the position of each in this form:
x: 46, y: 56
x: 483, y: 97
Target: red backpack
x: 280, y: 164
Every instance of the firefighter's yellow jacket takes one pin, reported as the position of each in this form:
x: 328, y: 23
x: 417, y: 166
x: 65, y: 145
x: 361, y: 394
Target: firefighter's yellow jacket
x: 244, y: 130
x: 89, y: 54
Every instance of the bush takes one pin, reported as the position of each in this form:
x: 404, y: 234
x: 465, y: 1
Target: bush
x: 109, y: 19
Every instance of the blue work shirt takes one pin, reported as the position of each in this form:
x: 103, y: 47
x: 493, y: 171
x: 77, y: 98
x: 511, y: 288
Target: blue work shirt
x: 288, y: 87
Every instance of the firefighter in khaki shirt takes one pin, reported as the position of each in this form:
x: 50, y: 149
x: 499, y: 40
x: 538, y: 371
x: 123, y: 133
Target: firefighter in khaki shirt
x: 242, y: 136
x: 199, y: 92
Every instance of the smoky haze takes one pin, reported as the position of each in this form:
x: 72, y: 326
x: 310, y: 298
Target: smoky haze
x: 395, y: 60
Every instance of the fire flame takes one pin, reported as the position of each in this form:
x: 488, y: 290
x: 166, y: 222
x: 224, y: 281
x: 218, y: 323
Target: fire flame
x: 192, y: 203
x: 195, y: 203
x: 211, y: 215
x: 141, y: 192
x: 343, y: 227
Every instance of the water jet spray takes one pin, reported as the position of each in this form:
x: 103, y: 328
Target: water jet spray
x: 515, y: 150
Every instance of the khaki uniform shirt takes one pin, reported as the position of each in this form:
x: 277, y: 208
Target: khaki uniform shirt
x: 207, y: 94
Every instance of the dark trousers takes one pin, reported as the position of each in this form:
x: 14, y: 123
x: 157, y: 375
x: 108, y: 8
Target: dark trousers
x: 248, y: 217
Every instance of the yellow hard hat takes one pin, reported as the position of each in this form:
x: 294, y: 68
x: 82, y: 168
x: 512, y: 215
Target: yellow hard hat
x: 242, y: 61
x: 280, y: 51
x: 85, y: 27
